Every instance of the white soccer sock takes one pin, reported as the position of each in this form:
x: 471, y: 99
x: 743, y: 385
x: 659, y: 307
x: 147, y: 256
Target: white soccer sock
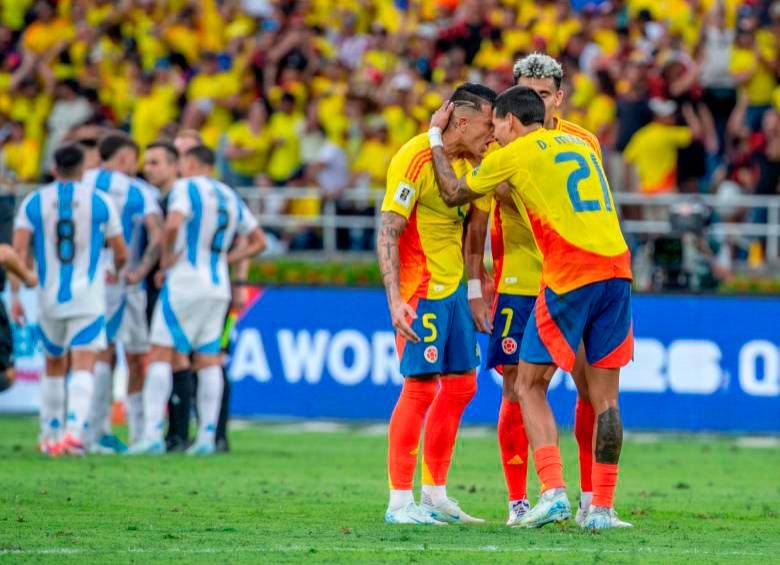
x: 157, y: 390
x: 585, y: 499
x: 52, y: 407
x: 209, y: 401
x: 99, y: 421
x: 400, y: 499
x: 80, y: 389
x: 433, y: 495
x: 135, y: 416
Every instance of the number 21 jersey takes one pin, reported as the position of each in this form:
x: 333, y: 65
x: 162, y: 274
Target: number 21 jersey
x: 213, y: 215
x: 69, y: 223
x: 559, y: 181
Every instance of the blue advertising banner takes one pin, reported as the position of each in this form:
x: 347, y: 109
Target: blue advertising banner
x: 701, y: 363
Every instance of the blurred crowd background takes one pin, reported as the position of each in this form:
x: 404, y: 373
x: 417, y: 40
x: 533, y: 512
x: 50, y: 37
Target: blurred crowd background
x: 683, y: 94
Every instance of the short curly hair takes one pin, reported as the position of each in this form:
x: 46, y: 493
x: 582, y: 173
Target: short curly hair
x: 538, y: 65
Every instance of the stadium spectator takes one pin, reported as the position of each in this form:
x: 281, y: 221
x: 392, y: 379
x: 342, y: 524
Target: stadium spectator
x: 248, y: 144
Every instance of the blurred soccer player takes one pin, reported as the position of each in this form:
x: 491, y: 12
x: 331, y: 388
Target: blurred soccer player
x: 12, y: 263
x: 67, y: 223
x: 141, y: 220
x: 204, y: 216
x: 559, y: 181
x: 517, y: 265
x: 161, y: 169
x: 420, y: 254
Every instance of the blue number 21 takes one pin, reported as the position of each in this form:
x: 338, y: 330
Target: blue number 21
x: 580, y: 174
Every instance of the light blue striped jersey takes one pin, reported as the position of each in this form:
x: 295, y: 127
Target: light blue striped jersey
x: 134, y: 199
x: 69, y: 224
x: 213, y: 215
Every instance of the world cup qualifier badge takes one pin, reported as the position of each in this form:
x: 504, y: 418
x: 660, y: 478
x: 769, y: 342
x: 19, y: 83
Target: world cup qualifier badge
x: 431, y: 354
x: 508, y: 345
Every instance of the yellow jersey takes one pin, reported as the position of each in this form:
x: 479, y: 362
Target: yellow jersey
x: 517, y: 261
x: 559, y: 181
x: 653, y: 151
x: 242, y: 136
x: 431, y: 245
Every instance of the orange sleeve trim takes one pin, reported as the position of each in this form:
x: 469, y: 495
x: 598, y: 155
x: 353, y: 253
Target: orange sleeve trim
x: 414, y: 160
x: 497, y: 245
x: 420, y: 164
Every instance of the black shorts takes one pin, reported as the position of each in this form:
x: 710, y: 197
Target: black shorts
x: 6, y: 341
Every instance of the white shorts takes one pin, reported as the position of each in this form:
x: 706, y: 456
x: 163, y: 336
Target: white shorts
x: 59, y: 335
x: 188, y: 324
x: 134, y: 331
x: 116, y: 302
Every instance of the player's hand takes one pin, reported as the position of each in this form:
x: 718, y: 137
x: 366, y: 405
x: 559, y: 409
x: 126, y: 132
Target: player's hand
x: 441, y: 117
x: 17, y: 312
x: 111, y: 277
x: 481, y: 315
x: 402, y: 314
x: 133, y: 277
x: 159, y: 279
x: 31, y: 279
x: 239, y: 298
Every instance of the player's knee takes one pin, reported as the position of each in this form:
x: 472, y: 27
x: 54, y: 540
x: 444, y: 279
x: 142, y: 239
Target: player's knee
x: 56, y: 366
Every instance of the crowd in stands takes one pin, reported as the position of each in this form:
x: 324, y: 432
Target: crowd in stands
x: 682, y: 94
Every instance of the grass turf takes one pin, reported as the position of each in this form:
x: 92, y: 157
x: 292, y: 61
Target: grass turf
x: 285, y: 495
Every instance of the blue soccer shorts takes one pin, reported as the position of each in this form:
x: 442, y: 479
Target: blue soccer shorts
x: 448, y: 339
x: 598, y: 314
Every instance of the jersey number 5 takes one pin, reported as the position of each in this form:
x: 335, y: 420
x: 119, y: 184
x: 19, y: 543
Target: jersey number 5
x: 582, y: 172
x: 66, y: 233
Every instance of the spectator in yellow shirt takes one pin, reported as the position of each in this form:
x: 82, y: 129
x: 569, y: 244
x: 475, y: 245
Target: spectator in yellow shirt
x: 653, y: 149
x: 752, y: 65
x: 20, y: 155
x: 248, y: 143
x: 284, y: 128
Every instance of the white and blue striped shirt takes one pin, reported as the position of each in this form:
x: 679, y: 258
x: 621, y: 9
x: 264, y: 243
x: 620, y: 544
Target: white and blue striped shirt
x: 135, y: 200
x: 69, y: 224
x: 213, y: 215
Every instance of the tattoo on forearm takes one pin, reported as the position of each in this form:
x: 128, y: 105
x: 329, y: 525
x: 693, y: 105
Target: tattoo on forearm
x: 453, y: 190
x: 609, y: 436
x: 387, y: 252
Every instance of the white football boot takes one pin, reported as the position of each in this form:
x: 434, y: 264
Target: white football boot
x: 411, y: 514
x: 450, y: 512
x: 601, y: 518
x: 553, y: 506
x: 517, y: 510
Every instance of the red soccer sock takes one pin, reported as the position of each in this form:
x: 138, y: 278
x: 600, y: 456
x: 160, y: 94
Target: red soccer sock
x: 584, y: 423
x: 514, y: 448
x: 605, y: 477
x: 442, y: 425
x: 549, y: 467
x: 404, y: 431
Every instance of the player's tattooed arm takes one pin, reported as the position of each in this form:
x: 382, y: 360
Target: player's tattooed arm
x: 154, y: 229
x: 609, y: 436
x: 453, y: 190
x: 389, y: 258
x: 474, y: 257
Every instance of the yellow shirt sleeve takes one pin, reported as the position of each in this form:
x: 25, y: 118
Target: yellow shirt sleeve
x: 494, y: 169
x: 680, y: 136
x: 402, y: 193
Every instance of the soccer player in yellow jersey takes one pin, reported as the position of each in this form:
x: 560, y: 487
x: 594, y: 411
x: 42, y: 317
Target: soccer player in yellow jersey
x: 558, y: 180
x: 420, y: 254
x: 517, y: 270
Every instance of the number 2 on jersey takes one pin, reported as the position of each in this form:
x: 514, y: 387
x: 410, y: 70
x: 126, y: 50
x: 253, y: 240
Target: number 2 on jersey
x: 582, y: 172
x: 218, y: 242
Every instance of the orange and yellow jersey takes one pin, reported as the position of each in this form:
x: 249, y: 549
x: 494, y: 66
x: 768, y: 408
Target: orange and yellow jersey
x: 517, y: 261
x: 558, y: 180
x: 653, y: 151
x: 431, y: 245
x: 573, y: 129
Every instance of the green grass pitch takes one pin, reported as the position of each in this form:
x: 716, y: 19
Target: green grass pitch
x: 285, y: 495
